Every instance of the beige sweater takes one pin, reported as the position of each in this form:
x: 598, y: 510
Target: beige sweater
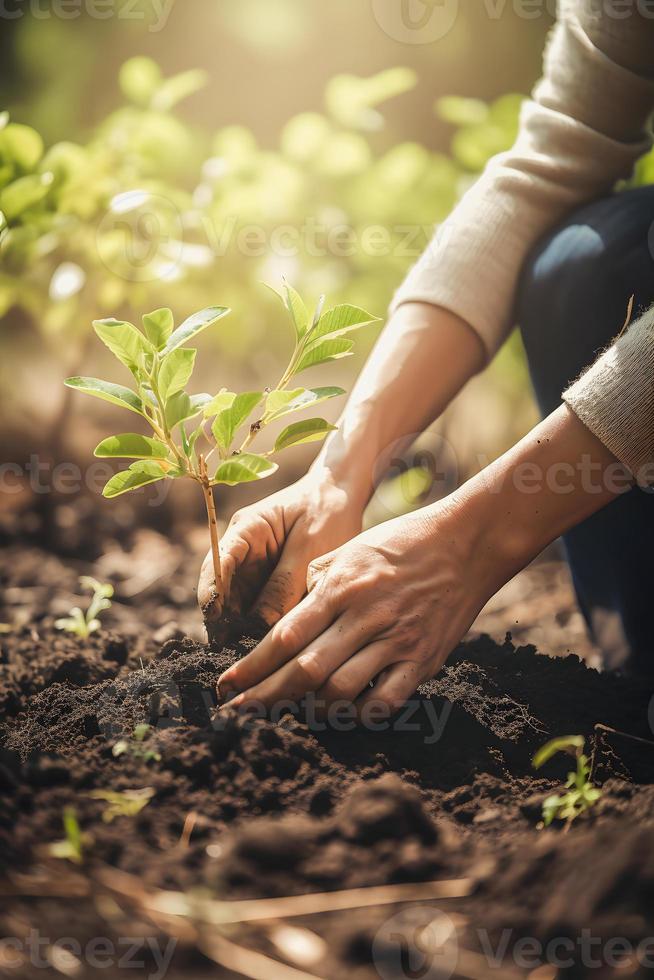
x: 583, y: 128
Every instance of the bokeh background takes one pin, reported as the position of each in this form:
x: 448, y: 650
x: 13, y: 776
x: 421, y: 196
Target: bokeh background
x: 160, y: 153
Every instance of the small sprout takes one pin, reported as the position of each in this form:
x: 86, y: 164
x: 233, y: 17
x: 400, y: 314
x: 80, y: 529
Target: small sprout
x: 71, y: 848
x: 135, y: 746
x: 127, y: 803
x: 83, y: 624
x: 197, y: 436
x: 581, y: 793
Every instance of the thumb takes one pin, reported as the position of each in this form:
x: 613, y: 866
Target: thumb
x: 283, y: 590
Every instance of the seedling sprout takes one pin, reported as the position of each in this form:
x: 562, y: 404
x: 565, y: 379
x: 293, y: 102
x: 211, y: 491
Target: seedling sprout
x: 581, y: 793
x: 83, y: 624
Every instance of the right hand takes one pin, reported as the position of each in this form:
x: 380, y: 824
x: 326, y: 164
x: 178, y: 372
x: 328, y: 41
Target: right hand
x: 267, y: 548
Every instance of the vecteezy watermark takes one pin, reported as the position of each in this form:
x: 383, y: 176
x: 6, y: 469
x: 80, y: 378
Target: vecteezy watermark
x: 68, y: 956
x: 422, y: 942
x: 154, y: 13
x: 413, y: 469
x: 144, y: 237
x: 427, y: 21
x: 43, y: 476
x: 416, y: 942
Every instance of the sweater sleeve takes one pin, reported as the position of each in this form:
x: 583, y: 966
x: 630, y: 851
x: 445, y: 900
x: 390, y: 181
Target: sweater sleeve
x: 583, y: 128
x: 614, y: 398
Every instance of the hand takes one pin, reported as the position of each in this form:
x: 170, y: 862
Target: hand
x: 267, y: 547
x: 390, y: 605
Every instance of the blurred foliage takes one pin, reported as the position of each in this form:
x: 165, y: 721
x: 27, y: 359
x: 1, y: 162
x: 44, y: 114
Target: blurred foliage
x: 151, y: 210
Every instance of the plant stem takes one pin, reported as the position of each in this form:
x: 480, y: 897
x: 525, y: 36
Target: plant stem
x: 213, y: 525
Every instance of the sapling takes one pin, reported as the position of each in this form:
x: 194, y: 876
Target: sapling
x: 208, y: 438
x: 85, y: 623
x: 581, y: 793
x: 71, y: 848
x: 136, y: 746
x: 126, y: 803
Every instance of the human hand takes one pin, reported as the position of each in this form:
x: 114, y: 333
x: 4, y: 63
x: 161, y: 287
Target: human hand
x: 388, y: 606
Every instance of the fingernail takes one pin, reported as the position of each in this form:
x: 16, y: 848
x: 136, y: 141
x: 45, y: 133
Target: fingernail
x: 233, y: 701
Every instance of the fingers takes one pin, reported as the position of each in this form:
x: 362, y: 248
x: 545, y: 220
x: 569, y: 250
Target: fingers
x: 283, y: 590
x: 287, y: 639
x: 310, y: 670
x: 354, y: 676
x: 396, y: 686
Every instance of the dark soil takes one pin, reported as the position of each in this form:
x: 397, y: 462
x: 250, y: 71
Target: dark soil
x: 251, y: 808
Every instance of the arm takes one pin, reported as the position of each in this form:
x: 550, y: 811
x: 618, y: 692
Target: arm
x: 394, y: 602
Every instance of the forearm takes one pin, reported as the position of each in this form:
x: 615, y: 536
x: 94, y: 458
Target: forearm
x: 423, y: 358
x: 553, y: 479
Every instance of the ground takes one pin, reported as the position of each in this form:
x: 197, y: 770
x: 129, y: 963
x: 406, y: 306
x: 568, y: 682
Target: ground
x: 442, y: 804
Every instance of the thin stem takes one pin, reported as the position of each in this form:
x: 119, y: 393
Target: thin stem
x: 210, y: 504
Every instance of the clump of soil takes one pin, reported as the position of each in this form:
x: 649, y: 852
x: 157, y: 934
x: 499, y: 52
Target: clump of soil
x: 247, y: 808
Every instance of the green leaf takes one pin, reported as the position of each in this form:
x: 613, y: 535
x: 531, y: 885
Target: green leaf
x: 109, y: 392
x: 179, y: 87
x: 131, y: 445
x: 24, y: 193
x: 123, y: 340
x: 299, y: 399
x: 224, y: 399
x: 327, y: 350
x: 309, y: 430
x: 176, y: 370
x: 244, y: 469
x: 138, y: 475
x: 294, y: 304
x: 22, y: 145
x: 158, y: 326
x: 140, y: 78
x: 340, y: 320
x: 230, y: 419
x: 181, y: 406
x: 565, y: 743
x: 194, y: 324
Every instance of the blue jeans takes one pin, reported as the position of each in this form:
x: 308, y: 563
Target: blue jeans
x: 572, y: 301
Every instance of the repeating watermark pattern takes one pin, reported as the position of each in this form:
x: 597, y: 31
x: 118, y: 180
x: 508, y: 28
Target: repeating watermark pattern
x: 416, y: 942
x: 428, y: 21
x: 149, y: 955
x: 65, y: 478
x: 153, y: 13
x: 422, y: 942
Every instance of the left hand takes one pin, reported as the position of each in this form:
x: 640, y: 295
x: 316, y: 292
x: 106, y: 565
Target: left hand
x: 389, y: 606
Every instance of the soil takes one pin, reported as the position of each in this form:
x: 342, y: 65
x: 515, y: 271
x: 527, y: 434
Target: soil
x: 249, y: 808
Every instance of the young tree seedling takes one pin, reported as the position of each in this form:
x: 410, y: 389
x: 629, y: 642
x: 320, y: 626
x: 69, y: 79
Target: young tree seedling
x: 71, y: 848
x: 208, y: 438
x: 135, y: 746
x: 83, y: 624
x: 581, y: 793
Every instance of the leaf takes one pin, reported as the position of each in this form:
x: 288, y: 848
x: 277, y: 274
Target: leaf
x: 565, y: 743
x: 138, y: 475
x: 461, y: 111
x: 340, y: 320
x: 140, y: 78
x: 123, y: 340
x: 22, y: 145
x: 109, y: 392
x: 179, y: 87
x: 230, y: 419
x: 175, y: 372
x: 244, y: 469
x: 131, y: 445
x: 158, y: 326
x: 309, y: 430
x: 300, y: 398
x: 181, y: 406
x: 194, y: 324
x: 294, y: 304
x: 224, y: 399
x: 327, y: 350
x: 24, y: 193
